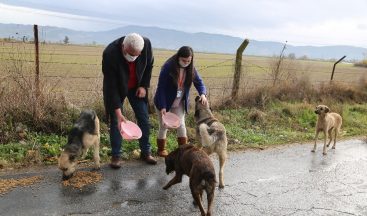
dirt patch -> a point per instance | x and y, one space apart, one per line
7 185
83 178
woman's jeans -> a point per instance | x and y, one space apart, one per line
140 108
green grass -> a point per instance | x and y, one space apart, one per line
282 123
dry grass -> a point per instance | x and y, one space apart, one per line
7 185
301 90
71 79
83 178
38 107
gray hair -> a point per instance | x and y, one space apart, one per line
134 41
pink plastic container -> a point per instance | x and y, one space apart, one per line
130 131
171 120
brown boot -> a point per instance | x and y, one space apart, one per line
161 143
181 140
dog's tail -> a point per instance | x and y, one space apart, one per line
206 139
209 177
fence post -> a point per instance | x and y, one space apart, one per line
332 73
37 72
237 73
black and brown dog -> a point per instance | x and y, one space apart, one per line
84 134
196 164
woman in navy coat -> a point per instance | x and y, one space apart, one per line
173 93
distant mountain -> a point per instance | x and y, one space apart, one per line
172 39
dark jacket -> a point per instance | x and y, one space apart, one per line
167 88
116 73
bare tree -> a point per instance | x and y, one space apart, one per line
276 70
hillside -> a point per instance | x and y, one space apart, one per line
173 39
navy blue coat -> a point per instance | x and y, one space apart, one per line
167 88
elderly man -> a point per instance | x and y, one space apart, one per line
127 68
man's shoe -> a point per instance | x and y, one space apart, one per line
115 162
149 159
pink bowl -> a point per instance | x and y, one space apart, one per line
171 120
130 131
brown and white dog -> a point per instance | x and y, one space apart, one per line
196 164
211 135
327 122
84 134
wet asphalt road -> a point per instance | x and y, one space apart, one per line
286 180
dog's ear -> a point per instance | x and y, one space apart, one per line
170 163
327 109
197 98
72 157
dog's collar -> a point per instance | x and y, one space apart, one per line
209 121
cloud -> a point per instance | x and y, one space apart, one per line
24 15
311 22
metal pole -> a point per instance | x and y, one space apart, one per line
332 74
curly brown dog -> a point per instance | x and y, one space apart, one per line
196 164
327 122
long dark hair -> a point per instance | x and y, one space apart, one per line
184 52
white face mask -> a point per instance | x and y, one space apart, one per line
129 57
182 64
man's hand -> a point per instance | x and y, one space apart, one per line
141 92
120 118
163 112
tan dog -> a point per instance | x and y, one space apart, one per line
211 135
84 134
196 164
326 122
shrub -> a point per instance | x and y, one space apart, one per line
362 63
256 115
300 90
34 105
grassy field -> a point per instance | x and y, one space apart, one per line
74 72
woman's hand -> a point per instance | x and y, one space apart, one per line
141 92
203 99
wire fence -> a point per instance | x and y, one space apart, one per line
75 71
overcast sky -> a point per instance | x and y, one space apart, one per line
306 22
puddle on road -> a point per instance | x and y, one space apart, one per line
353 151
134 184
126 203
272 178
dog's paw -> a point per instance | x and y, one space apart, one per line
203 126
